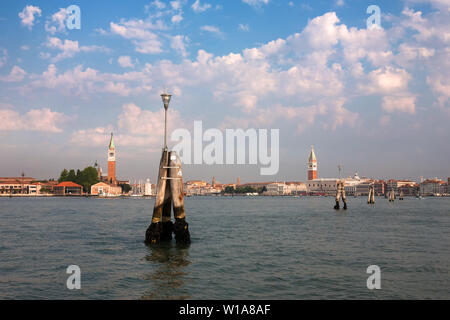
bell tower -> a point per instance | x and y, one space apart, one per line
112 161
312 165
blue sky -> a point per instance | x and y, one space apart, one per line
375 101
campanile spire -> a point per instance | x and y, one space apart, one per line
112 161
312 165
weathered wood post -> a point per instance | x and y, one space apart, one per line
371 199
181 227
372 195
153 233
167 224
391 195
338 195
340 192
344 199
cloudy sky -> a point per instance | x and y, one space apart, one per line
376 101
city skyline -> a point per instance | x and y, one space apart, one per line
374 101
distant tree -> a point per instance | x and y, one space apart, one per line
86 177
229 189
63 176
71 176
125 188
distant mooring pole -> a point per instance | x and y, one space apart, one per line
340 191
169 192
371 199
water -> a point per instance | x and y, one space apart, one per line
242 248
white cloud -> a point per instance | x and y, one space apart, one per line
57 22
178 43
159 4
135 127
27 16
198 7
256 3
320 68
177 18
387 80
176 5
85 81
399 103
211 29
125 62
69 48
17 74
139 32
43 120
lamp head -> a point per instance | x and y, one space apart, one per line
166 99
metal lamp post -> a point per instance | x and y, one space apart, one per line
166 99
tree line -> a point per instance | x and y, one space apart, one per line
243 190
86 177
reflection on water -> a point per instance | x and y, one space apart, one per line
169 275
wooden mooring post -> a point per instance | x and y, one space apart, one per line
371 199
169 192
340 192
181 227
391 195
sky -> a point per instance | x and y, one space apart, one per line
374 100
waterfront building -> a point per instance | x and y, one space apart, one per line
296 188
395 185
379 187
433 187
13 187
200 187
68 188
312 165
354 186
105 189
409 189
25 185
276 189
322 186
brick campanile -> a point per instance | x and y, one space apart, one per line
112 161
312 165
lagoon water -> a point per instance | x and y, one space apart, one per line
242 248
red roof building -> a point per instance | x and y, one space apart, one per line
68 188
